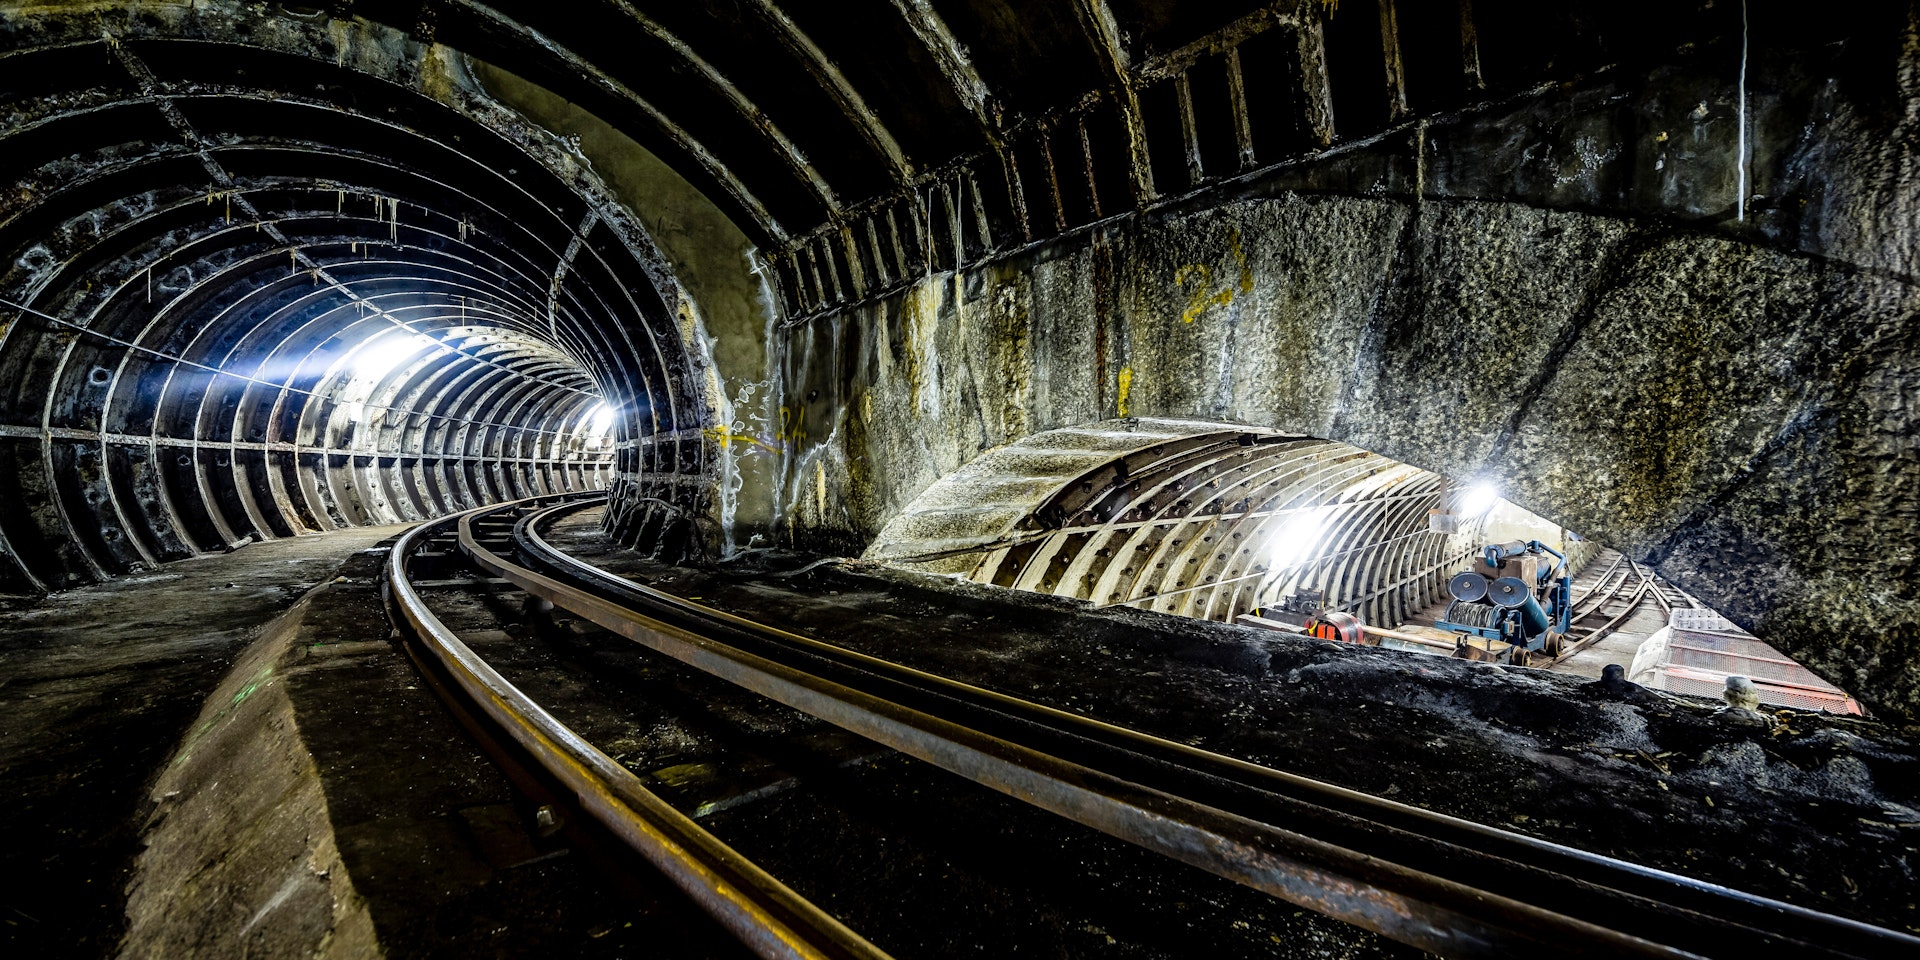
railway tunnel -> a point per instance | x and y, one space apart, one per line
1156 313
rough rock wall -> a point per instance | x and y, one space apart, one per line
1726 394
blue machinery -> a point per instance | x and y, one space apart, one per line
1512 601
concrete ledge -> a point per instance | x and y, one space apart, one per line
240 857
325 805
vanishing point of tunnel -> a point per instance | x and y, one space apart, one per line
934 478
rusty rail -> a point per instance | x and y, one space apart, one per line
772 920
1649 587
1443 884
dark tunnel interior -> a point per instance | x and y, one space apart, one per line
1123 339
258 294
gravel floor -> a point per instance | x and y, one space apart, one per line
1817 810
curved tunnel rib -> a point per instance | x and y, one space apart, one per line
241 309
1201 520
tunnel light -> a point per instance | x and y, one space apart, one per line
602 419
1478 499
381 357
1299 539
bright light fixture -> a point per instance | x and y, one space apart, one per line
602 419
1478 499
1298 539
381 357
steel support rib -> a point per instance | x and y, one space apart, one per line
953 63
624 231
1103 32
835 83
242 486
735 189
254 492
796 162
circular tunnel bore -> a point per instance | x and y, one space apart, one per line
1200 520
1216 522
260 282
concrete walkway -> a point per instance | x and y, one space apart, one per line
97 686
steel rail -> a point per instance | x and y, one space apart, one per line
1583 608
770 918
1441 883
1634 601
1649 586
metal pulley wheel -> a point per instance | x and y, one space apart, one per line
1467 585
1509 591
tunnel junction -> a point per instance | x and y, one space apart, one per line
1246 236
1077 347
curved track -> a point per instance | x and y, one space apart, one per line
1623 590
1443 884
768 917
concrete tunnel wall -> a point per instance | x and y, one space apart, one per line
1591 325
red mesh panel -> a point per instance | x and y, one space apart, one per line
1706 649
1703 684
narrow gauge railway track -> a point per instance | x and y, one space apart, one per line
769 918
1443 884
1611 590
914 859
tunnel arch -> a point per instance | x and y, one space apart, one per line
263 275
1197 519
